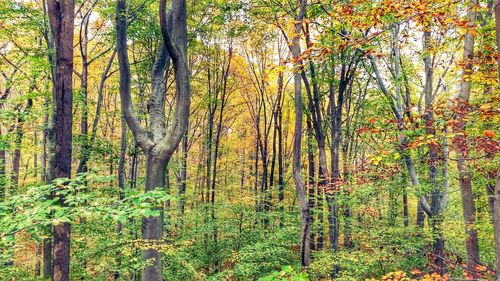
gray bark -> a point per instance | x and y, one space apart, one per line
305 250
464 175
61 18
159 143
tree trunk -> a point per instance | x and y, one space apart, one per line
256 176
47 257
305 250
16 160
35 154
152 227
281 194
465 180
490 194
48 156
158 144
437 194
311 183
88 142
61 17
121 181
319 207
82 167
183 178
209 145
497 215
406 218
330 193
38 261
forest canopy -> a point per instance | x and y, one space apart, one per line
249 140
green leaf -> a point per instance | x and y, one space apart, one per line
8 238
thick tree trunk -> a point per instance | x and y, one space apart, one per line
152 227
61 17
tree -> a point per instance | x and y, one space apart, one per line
308 121
158 144
305 248
61 16
459 141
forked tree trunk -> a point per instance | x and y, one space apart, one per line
158 144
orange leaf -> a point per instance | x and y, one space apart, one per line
489 134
